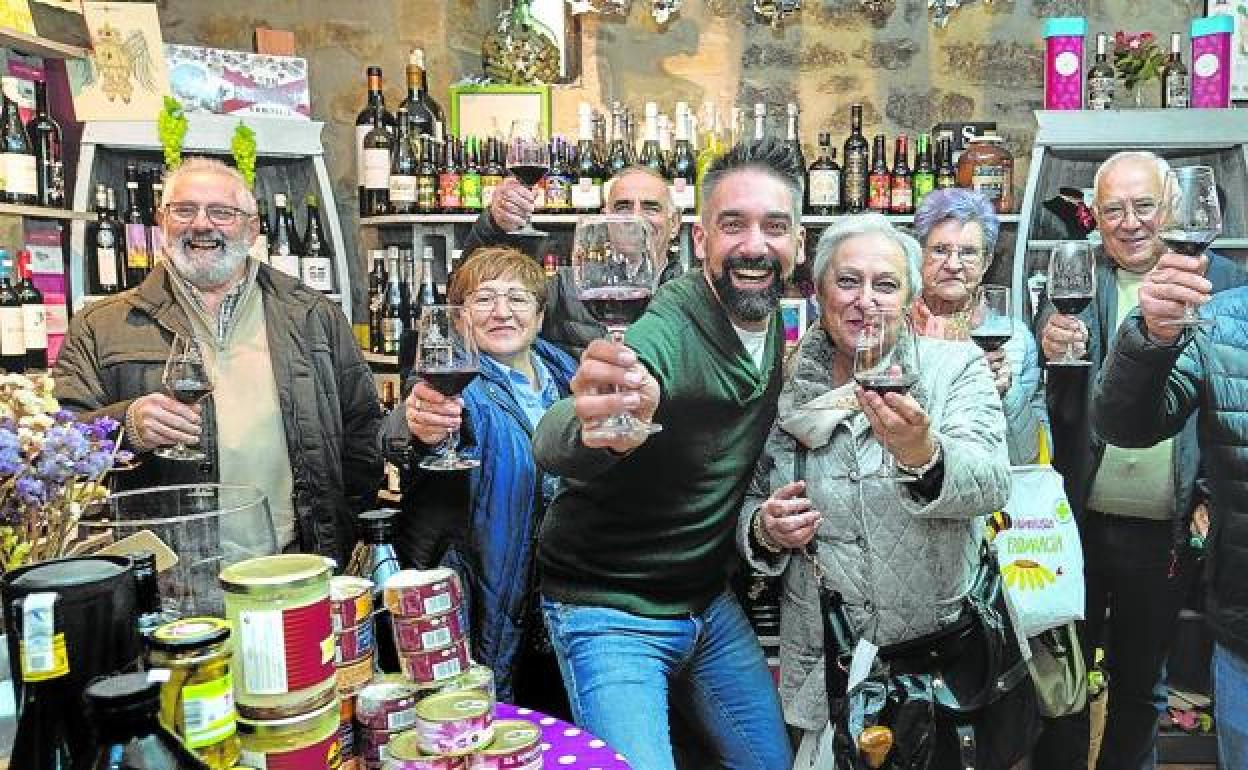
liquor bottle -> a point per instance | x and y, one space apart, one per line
946 172
284 243
403 168
374 558
316 258
630 137
760 121
44 737
155 235
587 192
426 177
665 140
650 155
34 315
683 170
470 178
377 283
429 295
712 145
1175 87
558 181
378 144
617 156
124 711
880 180
856 183
12 324
138 258
407 281
794 137
424 115
375 109
1101 77
901 186
16 151
148 605
105 244
263 230
924 172
824 180
492 172
392 322
449 179
45 135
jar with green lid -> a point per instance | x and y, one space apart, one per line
197 697
303 742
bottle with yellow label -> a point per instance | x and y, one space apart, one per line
43 736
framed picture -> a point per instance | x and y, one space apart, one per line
1237 10
124 75
478 110
793 314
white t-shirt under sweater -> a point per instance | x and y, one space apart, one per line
755 344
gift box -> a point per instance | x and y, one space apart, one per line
238 83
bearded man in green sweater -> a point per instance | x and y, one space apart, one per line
637 547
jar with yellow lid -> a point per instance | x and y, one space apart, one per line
197 697
304 742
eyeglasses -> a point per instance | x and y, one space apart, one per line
1115 212
968 255
519 300
218 213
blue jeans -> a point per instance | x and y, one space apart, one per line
621 669
1230 696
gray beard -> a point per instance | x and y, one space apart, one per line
211 270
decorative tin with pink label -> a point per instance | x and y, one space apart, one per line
1211 61
1063 62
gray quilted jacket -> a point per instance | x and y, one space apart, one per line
901 563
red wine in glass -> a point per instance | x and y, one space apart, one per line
189 391
1189 243
886 383
989 341
616 307
529 173
448 382
1071 304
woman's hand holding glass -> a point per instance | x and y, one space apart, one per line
605 365
900 424
788 518
430 415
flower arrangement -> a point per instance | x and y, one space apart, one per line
52 468
1137 58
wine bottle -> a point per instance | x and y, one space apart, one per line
470 178
44 738
651 157
12 324
429 295
426 177
683 170
1175 87
377 284
316 258
105 245
901 186
824 180
449 179
124 711
409 288
378 144
492 172
284 243
138 258
17 154
760 121
855 178
424 115
34 315
924 180
881 179
587 192
155 235
261 245
559 181
374 110
793 135
617 156
45 135
392 321
946 172
712 145
403 168
1101 77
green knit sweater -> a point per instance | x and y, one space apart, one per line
652 532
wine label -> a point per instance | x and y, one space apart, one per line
391 331
35 326
990 180
427 192
287 263
825 188
684 194
902 194
587 194
12 332
137 256
470 191
402 188
360 133
42 648
19 174
317 273
208 715
489 183
880 194
376 169
448 191
1100 93
1177 94
106 264
558 193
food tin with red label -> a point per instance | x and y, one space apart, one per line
454 723
346 734
351 644
429 632
406 754
423 592
304 742
374 743
386 706
434 666
517 745
350 600
355 676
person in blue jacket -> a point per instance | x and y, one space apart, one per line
506 496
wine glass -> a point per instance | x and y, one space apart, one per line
447 359
991 327
186 378
1190 218
615 277
1071 287
886 358
528 159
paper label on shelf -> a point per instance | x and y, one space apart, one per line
42 649
376 169
317 273
35 326
19 174
12 333
208 712
262 647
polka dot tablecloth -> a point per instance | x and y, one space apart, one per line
565 746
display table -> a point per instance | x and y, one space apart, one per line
565 745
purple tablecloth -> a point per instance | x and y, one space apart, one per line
565 746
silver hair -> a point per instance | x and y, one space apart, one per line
1162 165
201 165
869 223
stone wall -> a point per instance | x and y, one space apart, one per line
987 64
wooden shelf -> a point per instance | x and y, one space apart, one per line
39 46
570 219
43 212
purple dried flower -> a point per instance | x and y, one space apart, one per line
31 491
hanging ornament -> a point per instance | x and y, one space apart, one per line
775 11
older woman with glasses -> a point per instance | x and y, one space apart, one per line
877 496
958 230
521 376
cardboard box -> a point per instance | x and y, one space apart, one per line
275 42
238 83
1237 10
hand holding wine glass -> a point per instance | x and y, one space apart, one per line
991 328
886 367
1071 288
1190 219
187 379
528 159
1174 286
447 360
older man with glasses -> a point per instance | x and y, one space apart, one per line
293 411
1134 506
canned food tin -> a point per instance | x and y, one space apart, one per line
429 632
346 733
350 600
374 743
283 641
406 754
304 742
423 592
434 666
386 706
476 677
354 676
454 723
517 745
351 644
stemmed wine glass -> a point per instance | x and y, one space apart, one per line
886 358
614 275
1190 219
447 359
528 158
186 378
991 327
1071 287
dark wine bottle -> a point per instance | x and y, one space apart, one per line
16 151
34 315
492 172
12 324
429 295
45 135
373 110
824 180
587 189
392 321
683 170
946 172
1175 86
378 144
138 258
901 185
44 738
855 178
880 180
403 168
377 282
924 179
263 229
793 136
316 258
617 156
449 179
424 115
106 241
651 158
124 709
470 178
1101 77
426 177
284 241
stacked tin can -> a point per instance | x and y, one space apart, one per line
427 622
351 609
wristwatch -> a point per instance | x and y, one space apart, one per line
922 470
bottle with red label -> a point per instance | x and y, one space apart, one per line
901 183
880 180
449 178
